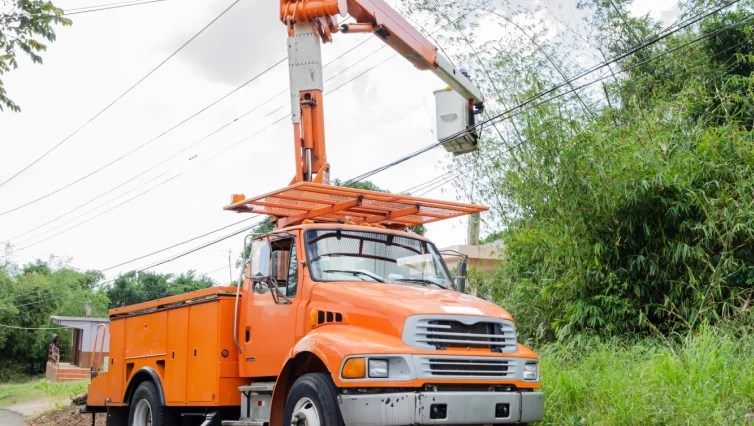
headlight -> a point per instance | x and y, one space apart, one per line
531 371
378 368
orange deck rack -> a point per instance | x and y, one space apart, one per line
335 204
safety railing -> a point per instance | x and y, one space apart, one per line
95 363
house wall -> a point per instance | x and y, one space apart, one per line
89 331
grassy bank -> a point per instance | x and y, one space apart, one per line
11 394
706 379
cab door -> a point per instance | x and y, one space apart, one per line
270 320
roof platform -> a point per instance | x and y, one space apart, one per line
336 204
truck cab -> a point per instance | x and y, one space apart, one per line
375 315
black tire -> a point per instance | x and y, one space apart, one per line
144 403
317 389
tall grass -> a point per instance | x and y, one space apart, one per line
707 379
11 394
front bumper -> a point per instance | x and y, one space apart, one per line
429 408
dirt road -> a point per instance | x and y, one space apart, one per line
11 418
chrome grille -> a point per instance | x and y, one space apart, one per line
451 367
461 332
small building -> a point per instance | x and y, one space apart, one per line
76 364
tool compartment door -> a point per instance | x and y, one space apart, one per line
202 374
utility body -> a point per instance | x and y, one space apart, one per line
340 316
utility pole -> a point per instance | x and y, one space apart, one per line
230 268
472 235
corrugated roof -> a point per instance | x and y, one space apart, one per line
56 318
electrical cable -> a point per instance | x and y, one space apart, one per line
201 111
190 251
148 169
181 243
97 6
134 150
118 98
14 327
158 185
646 43
497 118
20 295
478 125
103 8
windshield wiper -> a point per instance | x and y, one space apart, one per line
419 281
355 273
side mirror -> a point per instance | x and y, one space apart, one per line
261 255
261 288
460 278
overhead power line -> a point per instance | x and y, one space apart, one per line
118 98
101 5
174 177
179 174
501 116
179 124
172 156
134 150
644 44
190 251
214 231
15 327
100 8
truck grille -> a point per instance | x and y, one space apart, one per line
466 367
466 332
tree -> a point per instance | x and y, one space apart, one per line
137 287
625 209
24 28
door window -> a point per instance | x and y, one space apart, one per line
285 265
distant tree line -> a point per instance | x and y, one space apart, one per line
32 293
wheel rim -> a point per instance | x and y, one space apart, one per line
305 413
143 414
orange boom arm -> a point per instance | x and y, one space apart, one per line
311 23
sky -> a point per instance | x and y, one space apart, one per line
170 187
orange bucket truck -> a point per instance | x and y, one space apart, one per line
340 317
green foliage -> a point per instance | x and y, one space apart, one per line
137 287
28 299
25 27
11 394
706 379
632 216
31 294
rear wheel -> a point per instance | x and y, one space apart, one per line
312 401
145 408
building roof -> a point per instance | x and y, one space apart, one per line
71 321
492 252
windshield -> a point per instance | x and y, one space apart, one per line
344 255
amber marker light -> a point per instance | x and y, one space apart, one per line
237 198
354 368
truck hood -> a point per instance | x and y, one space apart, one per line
371 303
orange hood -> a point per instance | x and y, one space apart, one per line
384 307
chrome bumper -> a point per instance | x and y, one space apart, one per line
429 408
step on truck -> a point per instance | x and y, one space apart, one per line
340 316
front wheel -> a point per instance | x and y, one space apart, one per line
312 401
146 409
